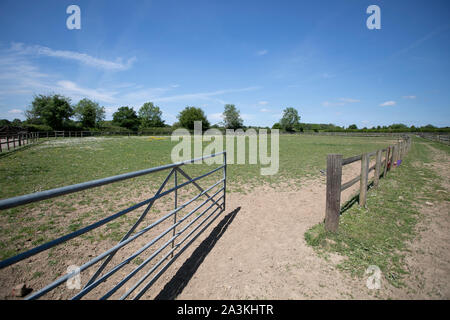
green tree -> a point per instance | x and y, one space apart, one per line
231 117
188 115
398 126
353 127
4 122
89 113
315 127
52 110
126 117
150 116
16 122
290 119
276 125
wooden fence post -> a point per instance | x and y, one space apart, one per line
402 151
364 179
386 161
394 156
377 169
333 196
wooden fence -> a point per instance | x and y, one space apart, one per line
84 134
393 156
442 138
12 141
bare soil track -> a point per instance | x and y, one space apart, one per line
263 254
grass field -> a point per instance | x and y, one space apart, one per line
62 162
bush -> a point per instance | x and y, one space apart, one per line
36 127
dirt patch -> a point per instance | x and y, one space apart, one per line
263 254
429 261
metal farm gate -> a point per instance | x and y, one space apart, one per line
200 218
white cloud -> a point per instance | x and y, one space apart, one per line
70 88
263 103
83 58
247 116
215 116
142 95
342 102
388 103
15 111
349 100
409 97
332 104
262 52
203 95
264 110
109 112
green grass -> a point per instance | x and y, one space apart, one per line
378 234
67 161
62 162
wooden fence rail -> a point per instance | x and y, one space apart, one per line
10 142
393 156
442 138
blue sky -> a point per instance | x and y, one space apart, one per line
263 56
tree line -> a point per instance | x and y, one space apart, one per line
56 112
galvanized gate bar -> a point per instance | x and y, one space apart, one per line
160 249
194 183
43 195
108 252
77 233
97 279
112 271
170 252
138 222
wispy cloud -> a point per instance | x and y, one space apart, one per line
265 110
203 95
142 95
421 40
262 52
15 111
83 58
332 104
388 103
18 76
263 103
340 102
215 117
409 97
349 100
247 116
72 89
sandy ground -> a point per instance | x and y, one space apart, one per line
263 254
